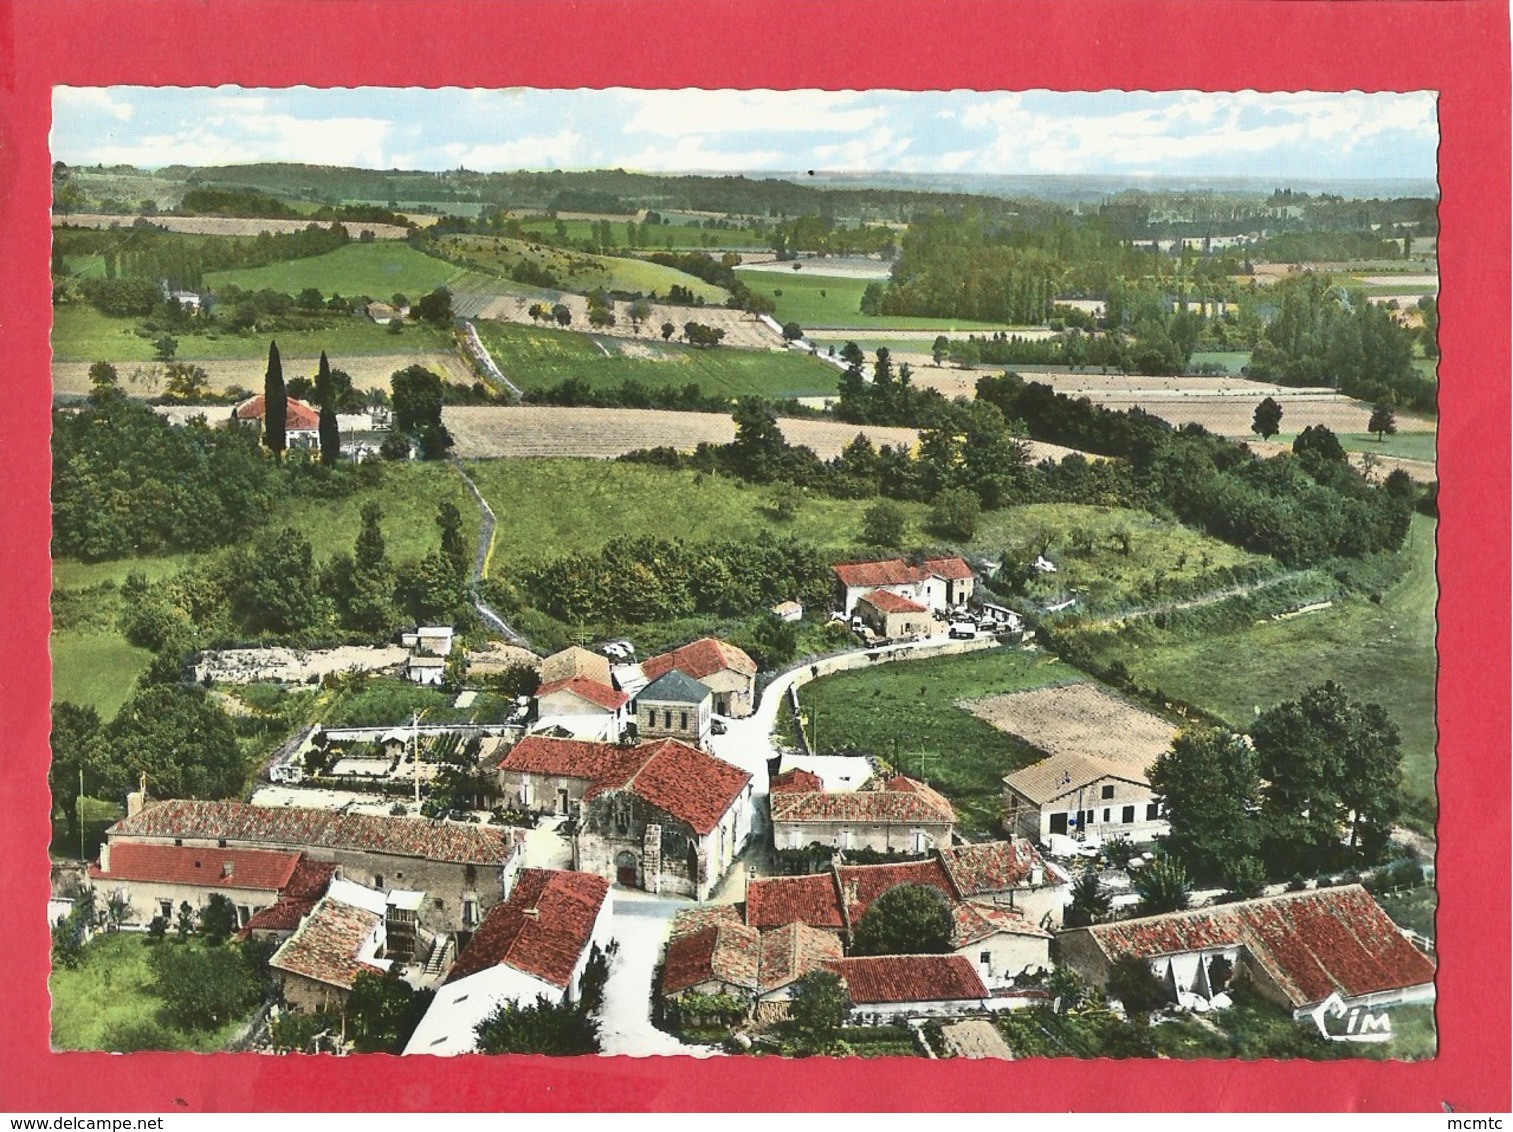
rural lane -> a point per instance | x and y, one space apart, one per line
489 522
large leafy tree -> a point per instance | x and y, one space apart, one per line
1207 785
276 590
177 737
75 743
818 1007
757 453
911 919
544 1027
203 989
1332 769
1267 421
418 396
275 404
383 1011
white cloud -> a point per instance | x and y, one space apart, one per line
881 149
69 100
675 113
228 139
537 151
689 154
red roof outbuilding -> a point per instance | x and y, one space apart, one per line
542 929
879 979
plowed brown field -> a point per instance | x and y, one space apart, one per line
1078 719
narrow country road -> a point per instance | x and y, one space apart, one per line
1210 598
489 522
486 359
640 927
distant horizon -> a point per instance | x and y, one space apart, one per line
1288 137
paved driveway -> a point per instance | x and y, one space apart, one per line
640 923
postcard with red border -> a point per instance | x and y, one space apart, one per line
1394 66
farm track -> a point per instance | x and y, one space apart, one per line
487 526
1211 598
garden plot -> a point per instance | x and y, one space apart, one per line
1078 719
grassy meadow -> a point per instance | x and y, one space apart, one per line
83 334
574 271
539 357
818 301
1380 652
378 268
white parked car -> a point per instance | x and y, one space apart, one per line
963 631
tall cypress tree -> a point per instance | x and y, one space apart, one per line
330 435
275 404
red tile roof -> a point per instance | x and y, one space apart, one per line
862 884
300 416
886 601
238 868
327 944
1311 943
792 951
701 659
542 929
994 866
814 900
972 922
909 978
685 782
594 692
796 781
722 952
952 569
310 880
303 827
902 801
889 572
284 916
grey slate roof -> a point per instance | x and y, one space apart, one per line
674 688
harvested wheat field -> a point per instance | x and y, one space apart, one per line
1078 719
369 371
224 225
484 432
476 297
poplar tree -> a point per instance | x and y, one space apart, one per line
275 404
325 395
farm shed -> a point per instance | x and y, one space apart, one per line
894 617
1297 949
904 816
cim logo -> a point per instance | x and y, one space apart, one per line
1358 1025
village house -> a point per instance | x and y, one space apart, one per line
937 584
463 869
1297 949
301 423
429 640
582 707
894 618
788 611
342 937
1010 874
1084 796
675 706
661 815
721 667
310 881
575 663
534 945
999 942
427 671
711 952
155 879
887 988
385 313
902 816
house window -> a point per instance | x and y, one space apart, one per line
667 720
243 914
1152 812
683 721
469 873
178 841
1108 792
469 912
986 958
1106 813
1128 816
439 902
378 882
165 907
918 836
1087 818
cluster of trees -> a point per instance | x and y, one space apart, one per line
1323 335
719 272
1318 786
636 580
1302 510
888 399
126 482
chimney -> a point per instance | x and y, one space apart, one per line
134 802
533 913
228 868
851 893
1037 876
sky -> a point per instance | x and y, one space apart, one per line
1183 133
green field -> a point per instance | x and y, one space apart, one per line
673 235
111 988
1233 361
96 669
539 357
83 334
818 301
906 713
377 269
574 271
1090 559
1382 653
1406 445
547 508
